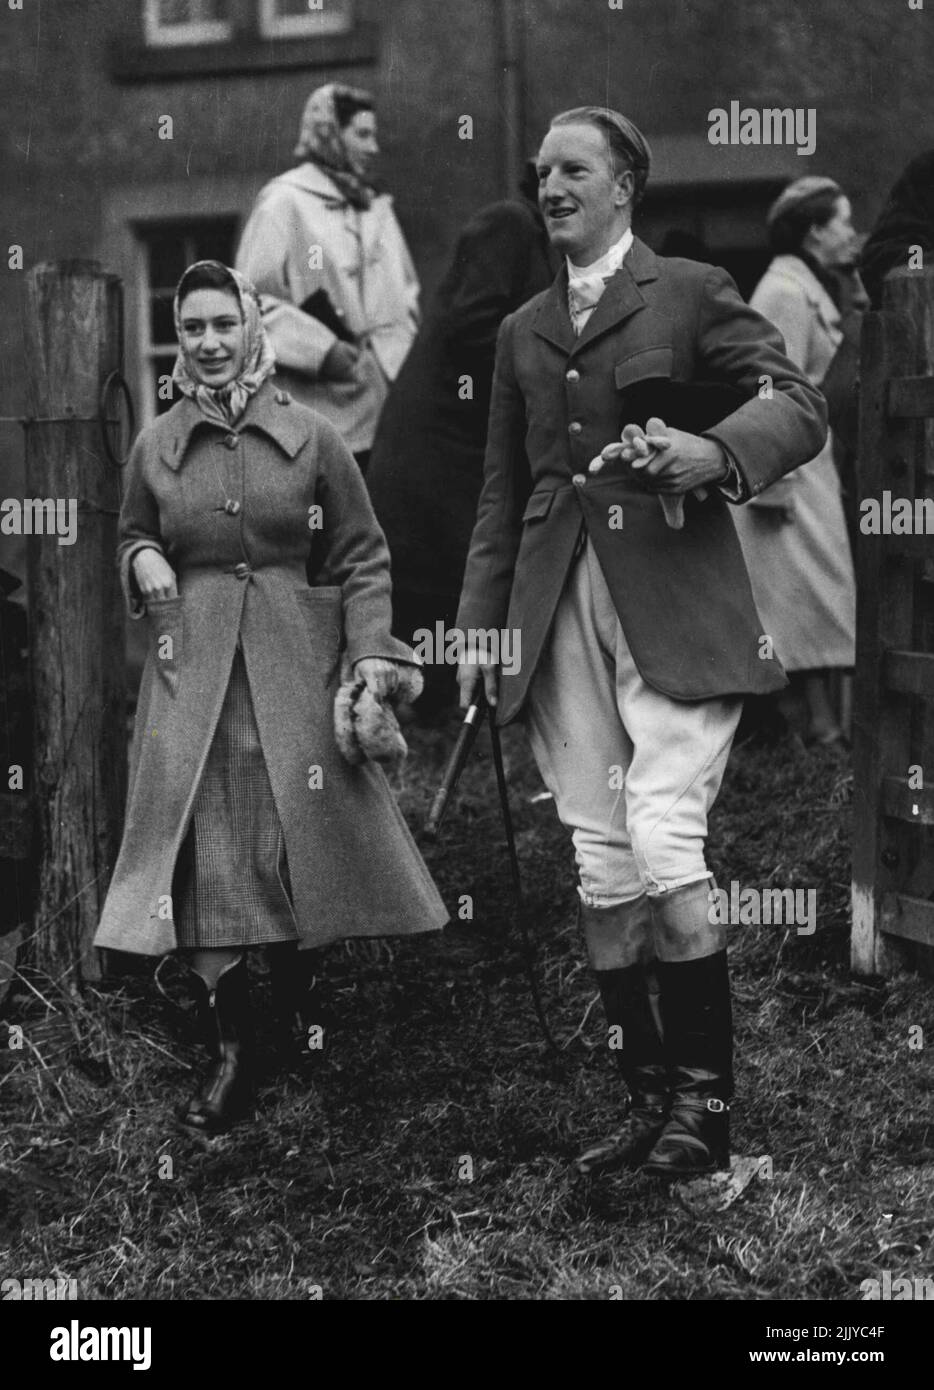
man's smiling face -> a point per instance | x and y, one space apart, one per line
586 206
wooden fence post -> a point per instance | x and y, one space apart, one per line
74 339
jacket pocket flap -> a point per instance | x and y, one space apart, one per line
538 505
650 362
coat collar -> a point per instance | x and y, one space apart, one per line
793 268
270 411
619 301
313 179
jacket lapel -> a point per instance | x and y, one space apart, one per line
620 300
553 320
269 411
179 425
622 297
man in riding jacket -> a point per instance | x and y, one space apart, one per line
632 402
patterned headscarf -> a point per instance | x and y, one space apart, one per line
320 140
225 404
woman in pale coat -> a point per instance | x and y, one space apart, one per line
794 534
338 288
244 825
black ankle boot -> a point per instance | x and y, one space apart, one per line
296 1008
226 1090
627 1001
698 1023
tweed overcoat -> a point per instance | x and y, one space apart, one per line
354 868
683 597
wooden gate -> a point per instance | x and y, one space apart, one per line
893 719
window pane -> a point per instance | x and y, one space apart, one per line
214 241
174 245
166 260
294 18
191 11
162 326
169 22
295 7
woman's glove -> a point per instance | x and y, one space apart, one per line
365 726
381 676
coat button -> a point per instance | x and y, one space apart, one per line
579 479
232 508
573 375
232 441
575 427
242 571
283 398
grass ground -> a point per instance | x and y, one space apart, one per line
430 1155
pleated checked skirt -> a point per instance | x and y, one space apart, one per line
232 884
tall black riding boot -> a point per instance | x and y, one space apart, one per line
226 1090
698 1023
630 1003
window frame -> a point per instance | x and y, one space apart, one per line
156 35
243 51
314 24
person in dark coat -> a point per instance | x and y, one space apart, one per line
244 825
619 565
906 222
426 467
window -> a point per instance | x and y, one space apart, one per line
168 247
160 39
296 18
169 22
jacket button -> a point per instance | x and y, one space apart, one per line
231 507
575 427
579 479
232 441
573 375
283 398
242 571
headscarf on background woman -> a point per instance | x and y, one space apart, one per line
224 404
321 140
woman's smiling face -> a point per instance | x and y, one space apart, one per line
213 335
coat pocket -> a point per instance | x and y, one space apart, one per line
641 366
324 622
538 506
166 624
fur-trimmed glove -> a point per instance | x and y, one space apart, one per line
366 728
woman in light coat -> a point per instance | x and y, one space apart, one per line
339 290
244 825
794 534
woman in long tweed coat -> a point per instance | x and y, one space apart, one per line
244 825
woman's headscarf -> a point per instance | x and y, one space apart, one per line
320 139
225 404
